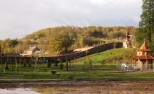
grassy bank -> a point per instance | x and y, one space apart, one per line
100 66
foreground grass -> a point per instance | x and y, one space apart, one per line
88 68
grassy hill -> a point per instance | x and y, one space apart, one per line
80 36
119 54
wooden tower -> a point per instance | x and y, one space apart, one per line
143 59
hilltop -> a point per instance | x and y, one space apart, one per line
67 38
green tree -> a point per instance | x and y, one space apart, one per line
0 48
62 41
140 36
147 19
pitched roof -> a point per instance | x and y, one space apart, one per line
32 48
144 48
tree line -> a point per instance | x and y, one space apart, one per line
65 38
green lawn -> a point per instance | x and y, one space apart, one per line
92 67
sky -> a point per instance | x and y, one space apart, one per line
21 17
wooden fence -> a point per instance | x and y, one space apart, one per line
30 59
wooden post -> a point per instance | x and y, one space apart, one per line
142 66
132 61
149 66
16 62
152 65
134 64
67 64
146 65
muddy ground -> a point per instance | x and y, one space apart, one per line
105 85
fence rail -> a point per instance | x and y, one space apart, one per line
29 59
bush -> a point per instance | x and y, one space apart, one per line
53 72
61 66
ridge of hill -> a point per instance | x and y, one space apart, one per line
93 31
80 37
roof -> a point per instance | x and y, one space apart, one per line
143 57
144 48
32 48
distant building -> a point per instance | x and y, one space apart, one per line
128 41
30 51
143 59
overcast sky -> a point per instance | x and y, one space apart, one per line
21 17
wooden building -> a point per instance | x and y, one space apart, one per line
143 59
30 51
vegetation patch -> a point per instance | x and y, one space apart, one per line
100 66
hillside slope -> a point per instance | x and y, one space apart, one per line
80 37
109 56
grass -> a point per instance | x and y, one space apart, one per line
93 67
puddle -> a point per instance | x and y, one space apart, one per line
70 90
18 91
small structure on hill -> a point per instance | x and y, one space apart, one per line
143 59
30 51
128 41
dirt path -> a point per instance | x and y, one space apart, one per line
106 85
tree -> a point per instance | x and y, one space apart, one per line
1 52
62 41
140 35
147 19
0 48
